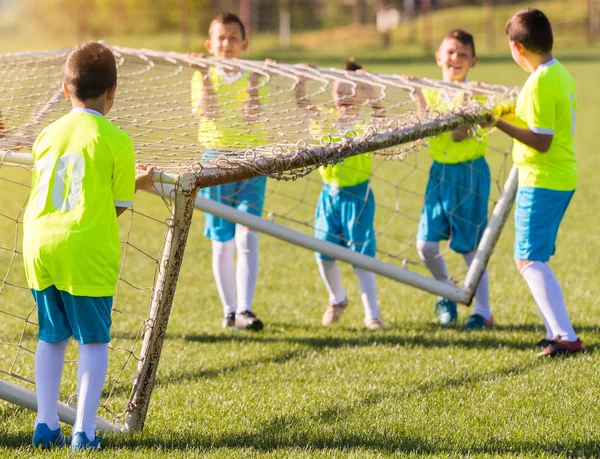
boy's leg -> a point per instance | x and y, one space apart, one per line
246 272
54 333
429 252
549 298
93 366
357 206
222 233
330 273
467 192
48 367
223 266
368 295
90 319
434 225
328 228
249 197
538 214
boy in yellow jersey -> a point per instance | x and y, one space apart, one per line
544 154
457 193
215 91
345 211
83 178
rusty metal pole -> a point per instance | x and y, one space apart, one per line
162 301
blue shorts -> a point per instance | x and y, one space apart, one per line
245 195
538 213
345 216
456 204
62 315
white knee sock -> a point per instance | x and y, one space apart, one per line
368 293
93 365
246 271
549 298
48 366
330 273
224 272
429 252
482 294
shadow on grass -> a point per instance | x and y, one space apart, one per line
281 433
431 338
312 344
327 430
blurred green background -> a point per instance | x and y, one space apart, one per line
290 30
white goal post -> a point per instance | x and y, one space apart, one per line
166 136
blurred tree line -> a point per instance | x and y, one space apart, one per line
102 17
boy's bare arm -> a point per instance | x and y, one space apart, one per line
375 102
207 101
252 105
302 100
417 95
143 179
539 142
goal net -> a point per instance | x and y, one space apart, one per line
285 133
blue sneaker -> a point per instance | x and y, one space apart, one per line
80 441
446 309
478 322
45 438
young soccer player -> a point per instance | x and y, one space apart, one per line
237 91
544 154
457 193
345 211
83 178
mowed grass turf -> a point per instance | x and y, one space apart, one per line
413 389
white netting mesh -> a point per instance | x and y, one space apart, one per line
154 106
142 230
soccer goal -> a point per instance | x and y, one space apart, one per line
278 140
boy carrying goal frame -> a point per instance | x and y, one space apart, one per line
83 178
544 153
345 212
458 189
215 90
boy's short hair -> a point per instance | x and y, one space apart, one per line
228 18
463 37
90 70
352 65
532 29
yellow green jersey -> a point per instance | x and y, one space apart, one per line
84 167
546 105
353 170
443 148
227 127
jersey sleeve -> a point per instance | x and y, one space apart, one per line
540 111
123 186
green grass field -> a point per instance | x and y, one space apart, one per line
298 390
